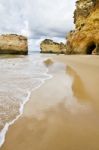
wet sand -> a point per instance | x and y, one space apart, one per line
55 120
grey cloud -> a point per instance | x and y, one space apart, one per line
36 18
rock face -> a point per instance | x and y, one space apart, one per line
48 46
85 38
13 44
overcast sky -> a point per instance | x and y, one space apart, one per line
37 18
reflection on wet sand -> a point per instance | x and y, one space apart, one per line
68 121
78 86
76 97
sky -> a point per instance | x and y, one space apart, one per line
37 19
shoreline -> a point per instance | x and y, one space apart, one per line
28 130
5 129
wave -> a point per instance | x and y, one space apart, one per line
19 77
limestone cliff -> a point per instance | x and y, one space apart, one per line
13 44
85 38
49 46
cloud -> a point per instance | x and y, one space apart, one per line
37 18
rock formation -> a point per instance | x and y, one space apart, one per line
48 62
85 38
13 44
49 46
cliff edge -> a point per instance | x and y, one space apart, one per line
85 38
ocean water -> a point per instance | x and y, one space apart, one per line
19 76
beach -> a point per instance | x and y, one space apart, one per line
63 113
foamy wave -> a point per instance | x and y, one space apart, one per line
23 75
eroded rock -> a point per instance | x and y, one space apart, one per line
85 38
48 62
49 46
13 44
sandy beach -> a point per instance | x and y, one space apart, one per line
53 118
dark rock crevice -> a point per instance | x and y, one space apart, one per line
91 48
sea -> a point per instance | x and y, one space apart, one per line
19 76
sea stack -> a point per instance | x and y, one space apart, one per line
13 44
85 38
49 46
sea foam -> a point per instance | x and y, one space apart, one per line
19 77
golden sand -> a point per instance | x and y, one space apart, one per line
55 120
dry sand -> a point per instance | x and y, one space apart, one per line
55 120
